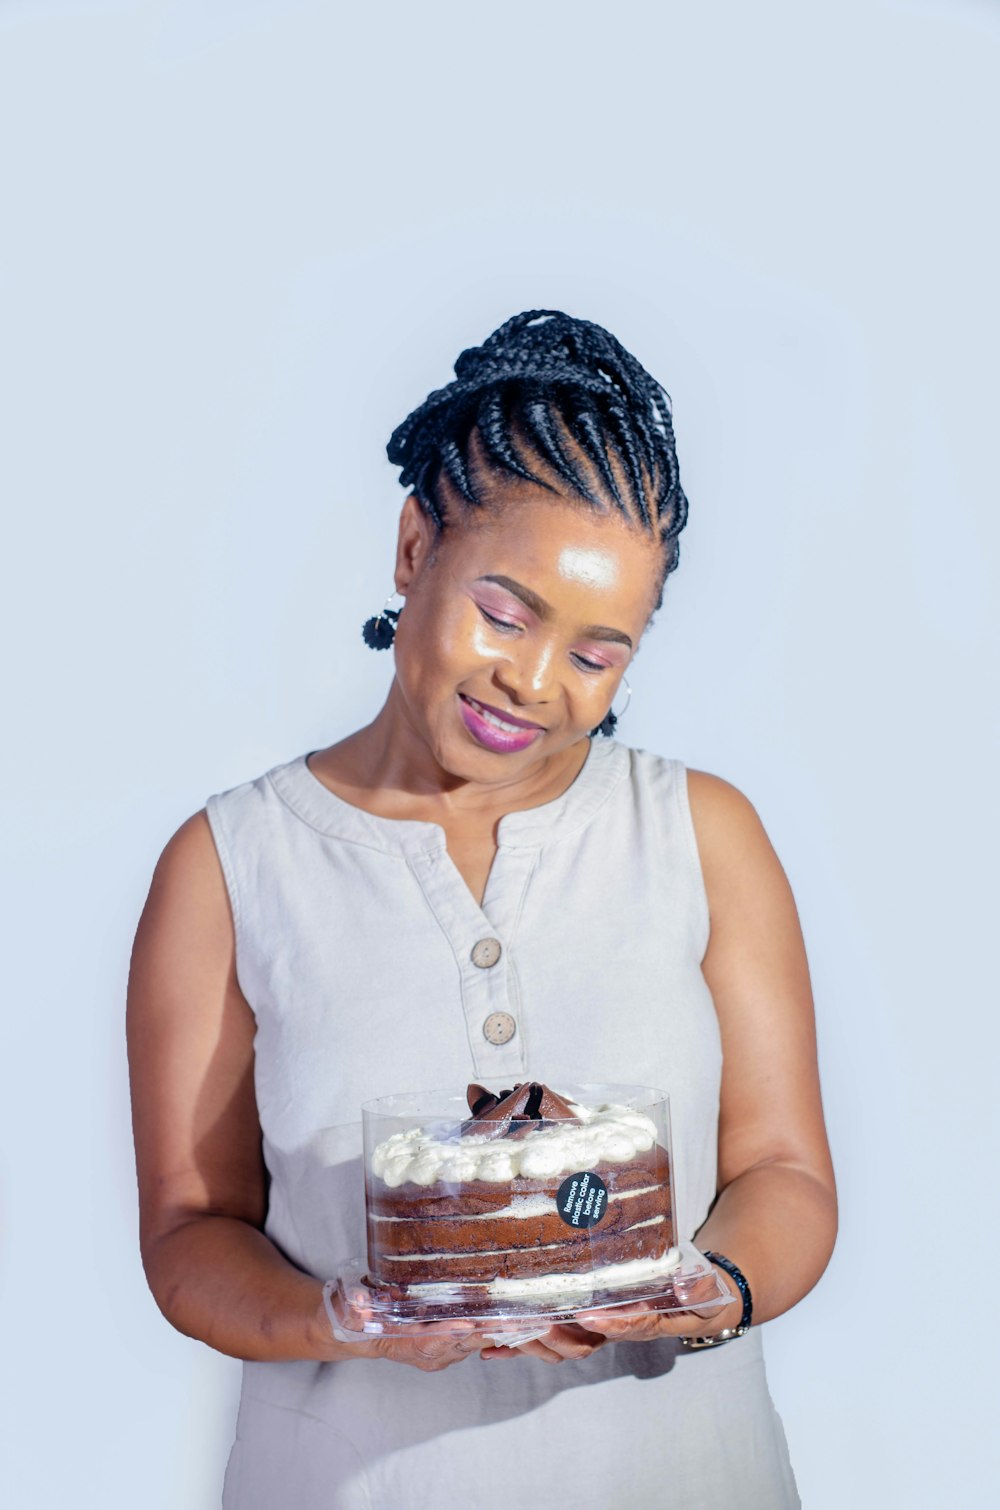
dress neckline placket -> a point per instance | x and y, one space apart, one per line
482 938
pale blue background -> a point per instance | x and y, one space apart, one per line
240 242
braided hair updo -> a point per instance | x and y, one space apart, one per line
540 375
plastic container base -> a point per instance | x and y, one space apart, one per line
359 1308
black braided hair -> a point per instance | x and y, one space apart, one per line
540 374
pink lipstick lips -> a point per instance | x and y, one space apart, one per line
496 731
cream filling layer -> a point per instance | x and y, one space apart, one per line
522 1206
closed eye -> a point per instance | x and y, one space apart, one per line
492 619
581 660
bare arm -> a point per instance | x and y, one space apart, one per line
776 1212
202 1180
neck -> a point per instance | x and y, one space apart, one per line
390 755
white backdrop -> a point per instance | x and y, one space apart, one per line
240 242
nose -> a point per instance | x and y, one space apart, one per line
526 674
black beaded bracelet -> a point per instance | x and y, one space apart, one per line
728 1333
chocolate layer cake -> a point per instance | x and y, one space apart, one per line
530 1188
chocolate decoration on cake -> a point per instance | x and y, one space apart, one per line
512 1113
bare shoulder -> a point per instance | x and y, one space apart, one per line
187 893
184 948
190 855
716 801
731 837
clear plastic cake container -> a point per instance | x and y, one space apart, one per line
518 1206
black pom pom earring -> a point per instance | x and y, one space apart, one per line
608 722
380 630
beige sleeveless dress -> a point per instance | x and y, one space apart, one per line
356 949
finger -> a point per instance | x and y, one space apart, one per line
511 1333
591 1322
560 1343
572 1341
533 1349
446 1331
350 1310
438 1346
628 1326
436 1354
643 1328
358 1297
594 1321
692 1294
538 1349
428 1345
443 1348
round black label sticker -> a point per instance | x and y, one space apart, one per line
582 1199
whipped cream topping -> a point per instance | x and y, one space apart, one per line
607 1133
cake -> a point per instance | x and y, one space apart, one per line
533 1192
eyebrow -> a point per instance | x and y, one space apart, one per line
541 608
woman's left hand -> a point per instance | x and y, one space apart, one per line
635 1322
638 1322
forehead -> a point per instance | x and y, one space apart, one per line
551 544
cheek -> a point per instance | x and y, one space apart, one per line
442 645
465 638
481 640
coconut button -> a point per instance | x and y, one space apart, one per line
486 953
499 1028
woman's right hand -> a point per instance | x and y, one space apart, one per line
432 1345
428 1345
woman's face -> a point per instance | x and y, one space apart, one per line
517 627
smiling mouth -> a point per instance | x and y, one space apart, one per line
505 722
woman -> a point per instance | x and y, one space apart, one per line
480 884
